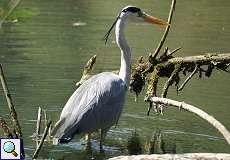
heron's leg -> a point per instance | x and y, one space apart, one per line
102 138
88 147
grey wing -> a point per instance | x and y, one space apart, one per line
94 105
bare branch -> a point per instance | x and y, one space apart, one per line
174 51
166 30
221 128
187 79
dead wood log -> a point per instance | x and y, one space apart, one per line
187 156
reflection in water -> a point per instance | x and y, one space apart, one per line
43 56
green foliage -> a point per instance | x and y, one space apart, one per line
134 144
9 11
22 14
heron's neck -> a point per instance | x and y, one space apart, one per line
125 69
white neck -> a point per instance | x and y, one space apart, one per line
125 69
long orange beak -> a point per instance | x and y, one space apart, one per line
154 20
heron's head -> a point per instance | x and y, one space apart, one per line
135 14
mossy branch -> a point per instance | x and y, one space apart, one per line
173 78
5 128
172 67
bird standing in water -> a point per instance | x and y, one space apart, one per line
97 104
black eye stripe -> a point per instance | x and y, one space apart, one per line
132 9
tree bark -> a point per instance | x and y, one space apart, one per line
206 58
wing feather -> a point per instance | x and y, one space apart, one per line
96 104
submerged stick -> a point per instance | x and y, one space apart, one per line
38 126
45 117
35 155
13 112
166 30
215 123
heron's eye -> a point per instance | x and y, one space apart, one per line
124 10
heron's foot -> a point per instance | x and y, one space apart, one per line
102 151
88 144
101 146
102 138
88 147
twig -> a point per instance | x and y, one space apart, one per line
35 155
38 127
166 30
164 54
187 79
13 112
5 128
175 50
221 128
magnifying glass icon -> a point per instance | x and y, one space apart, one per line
9 147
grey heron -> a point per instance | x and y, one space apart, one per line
97 104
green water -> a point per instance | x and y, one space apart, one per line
43 55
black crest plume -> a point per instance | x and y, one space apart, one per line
111 28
